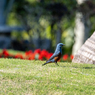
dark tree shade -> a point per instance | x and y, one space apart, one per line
57 9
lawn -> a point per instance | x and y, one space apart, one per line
24 77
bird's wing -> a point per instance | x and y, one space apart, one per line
54 55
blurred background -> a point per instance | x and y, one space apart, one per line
33 24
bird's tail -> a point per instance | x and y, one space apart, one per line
44 64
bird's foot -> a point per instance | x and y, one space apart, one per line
57 64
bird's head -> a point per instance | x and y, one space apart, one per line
60 45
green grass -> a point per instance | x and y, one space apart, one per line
24 77
13 51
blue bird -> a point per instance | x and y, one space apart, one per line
56 56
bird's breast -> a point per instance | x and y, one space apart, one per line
57 57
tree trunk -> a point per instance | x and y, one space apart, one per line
82 29
86 54
58 33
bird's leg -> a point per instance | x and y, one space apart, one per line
56 63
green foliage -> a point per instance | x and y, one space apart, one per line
92 24
12 20
23 77
40 17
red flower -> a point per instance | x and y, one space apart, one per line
71 56
19 56
5 53
44 53
40 57
37 51
65 57
31 57
28 52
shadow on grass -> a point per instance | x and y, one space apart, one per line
88 67
70 65
77 67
